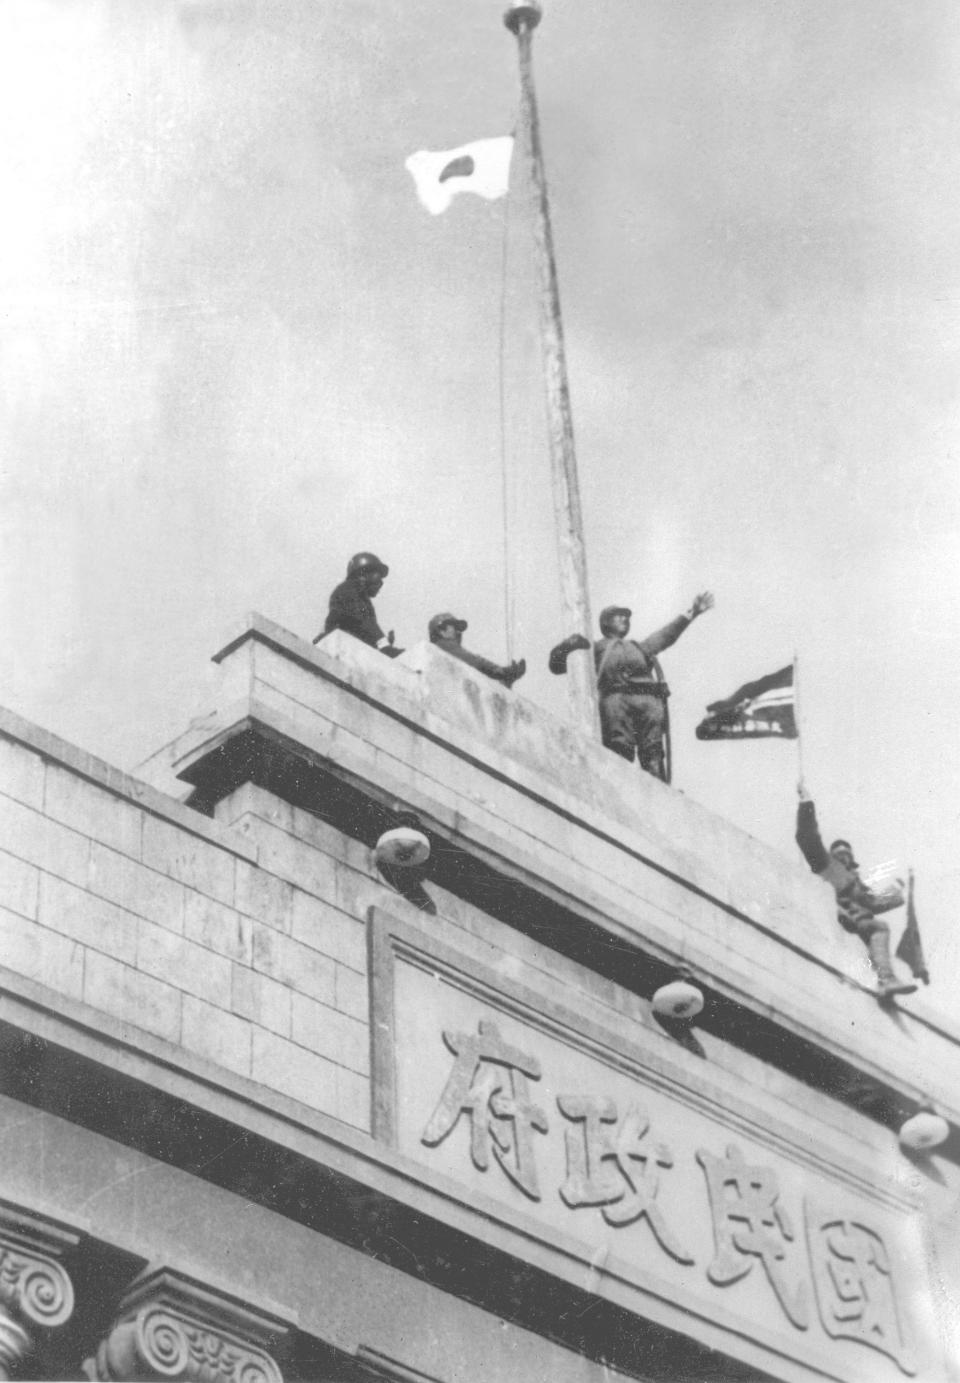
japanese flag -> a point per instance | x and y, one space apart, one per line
482 167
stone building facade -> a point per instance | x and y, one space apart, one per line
271 1114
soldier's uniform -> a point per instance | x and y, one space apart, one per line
857 905
508 674
352 610
632 698
632 694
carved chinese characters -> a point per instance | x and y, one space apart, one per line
609 1165
749 1223
619 1160
854 1284
489 1084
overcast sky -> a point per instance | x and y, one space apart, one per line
235 349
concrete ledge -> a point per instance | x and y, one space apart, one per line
121 785
519 747
524 747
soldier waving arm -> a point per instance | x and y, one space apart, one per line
663 638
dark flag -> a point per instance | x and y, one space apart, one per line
763 709
910 950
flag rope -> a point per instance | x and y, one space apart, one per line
508 594
796 715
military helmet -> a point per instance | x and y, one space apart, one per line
366 561
438 622
608 612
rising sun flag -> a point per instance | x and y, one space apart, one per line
763 709
482 167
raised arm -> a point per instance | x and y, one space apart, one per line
663 638
701 604
808 832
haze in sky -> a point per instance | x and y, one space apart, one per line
236 349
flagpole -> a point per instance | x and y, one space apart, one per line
521 20
796 715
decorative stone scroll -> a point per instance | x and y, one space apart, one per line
36 1293
171 1327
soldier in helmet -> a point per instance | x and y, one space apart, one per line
446 631
351 604
633 712
857 905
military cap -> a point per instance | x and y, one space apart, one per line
843 845
608 612
438 622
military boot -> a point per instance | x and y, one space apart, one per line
888 986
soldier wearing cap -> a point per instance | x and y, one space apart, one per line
633 713
446 631
857 905
351 604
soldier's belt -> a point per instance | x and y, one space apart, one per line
643 689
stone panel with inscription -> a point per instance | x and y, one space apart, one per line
568 1131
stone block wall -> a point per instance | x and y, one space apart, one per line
247 953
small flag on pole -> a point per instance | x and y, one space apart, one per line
482 167
763 709
910 949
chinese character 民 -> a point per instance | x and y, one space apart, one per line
854 1285
489 1084
748 1224
609 1165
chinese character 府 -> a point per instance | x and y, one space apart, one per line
747 1224
489 1084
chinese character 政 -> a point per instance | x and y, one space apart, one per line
488 1083
609 1165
